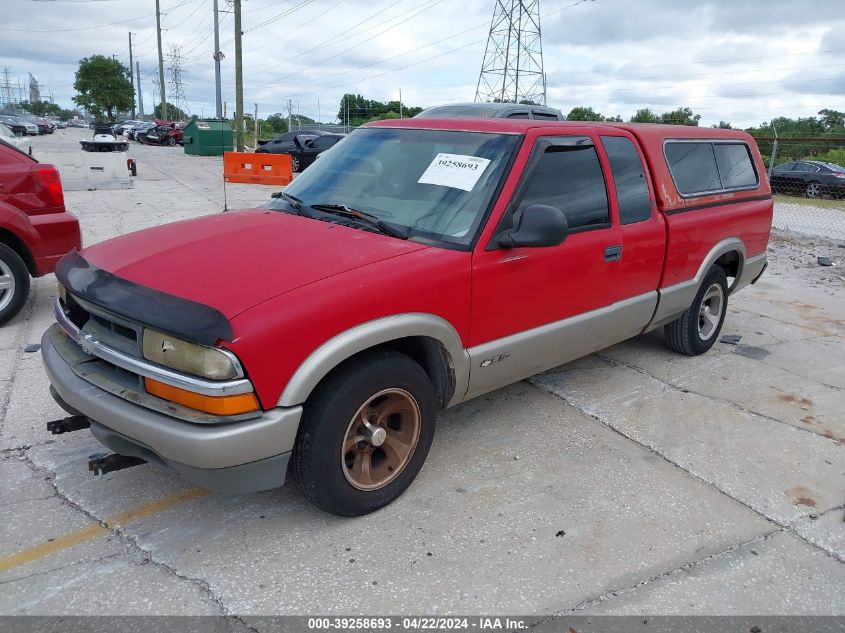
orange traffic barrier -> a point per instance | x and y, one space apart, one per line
257 169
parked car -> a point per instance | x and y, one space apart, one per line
120 128
287 142
420 263
42 124
811 178
35 229
22 142
31 127
168 134
18 127
493 111
144 126
306 151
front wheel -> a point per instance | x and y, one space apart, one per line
697 329
365 434
294 163
171 141
14 283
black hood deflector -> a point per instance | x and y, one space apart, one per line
158 310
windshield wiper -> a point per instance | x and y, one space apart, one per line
388 228
296 203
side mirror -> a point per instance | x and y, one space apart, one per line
309 142
539 225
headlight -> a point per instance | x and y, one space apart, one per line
189 358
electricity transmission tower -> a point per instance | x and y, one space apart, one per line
34 90
8 90
176 93
512 69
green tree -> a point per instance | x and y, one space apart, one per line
832 119
681 116
723 125
644 115
360 110
103 86
278 122
581 113
174 113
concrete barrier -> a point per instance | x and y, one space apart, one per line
87 171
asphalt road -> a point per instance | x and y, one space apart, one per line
634 481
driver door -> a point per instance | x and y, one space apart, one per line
534 308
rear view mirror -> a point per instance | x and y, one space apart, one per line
539 225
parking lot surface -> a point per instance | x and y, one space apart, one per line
632 481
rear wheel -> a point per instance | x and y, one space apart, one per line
814 190
294 163
365 434
697 329
14 283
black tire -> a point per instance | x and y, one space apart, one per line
294 163
317 465
685 335
12 266
813 190
171 141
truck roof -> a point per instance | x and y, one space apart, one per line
643 131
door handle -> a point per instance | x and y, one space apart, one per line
612 253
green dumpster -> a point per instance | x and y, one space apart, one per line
208 137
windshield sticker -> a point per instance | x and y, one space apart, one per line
454 170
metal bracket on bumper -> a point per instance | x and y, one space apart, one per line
102 463
68 425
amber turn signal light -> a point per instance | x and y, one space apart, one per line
216 405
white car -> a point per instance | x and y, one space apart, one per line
21 142
126 125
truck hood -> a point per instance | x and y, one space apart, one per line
237 260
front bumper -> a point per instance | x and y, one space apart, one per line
232 458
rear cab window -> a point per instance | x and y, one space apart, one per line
710 166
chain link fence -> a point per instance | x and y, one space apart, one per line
807 175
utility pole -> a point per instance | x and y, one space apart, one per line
131 72
140 93
218 57
239 81
160 63
289 113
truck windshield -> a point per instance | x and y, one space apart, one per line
437 183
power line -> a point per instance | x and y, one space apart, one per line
333 38
432 3
279 16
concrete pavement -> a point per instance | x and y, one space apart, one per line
632 481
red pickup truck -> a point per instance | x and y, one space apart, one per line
35 229
417 264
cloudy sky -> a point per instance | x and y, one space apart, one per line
743 61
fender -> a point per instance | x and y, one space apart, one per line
361 337
675 299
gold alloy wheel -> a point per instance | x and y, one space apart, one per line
380 439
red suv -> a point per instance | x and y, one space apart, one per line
35 229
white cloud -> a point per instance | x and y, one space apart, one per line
738 61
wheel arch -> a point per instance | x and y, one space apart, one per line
430 340
674 300
14 242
